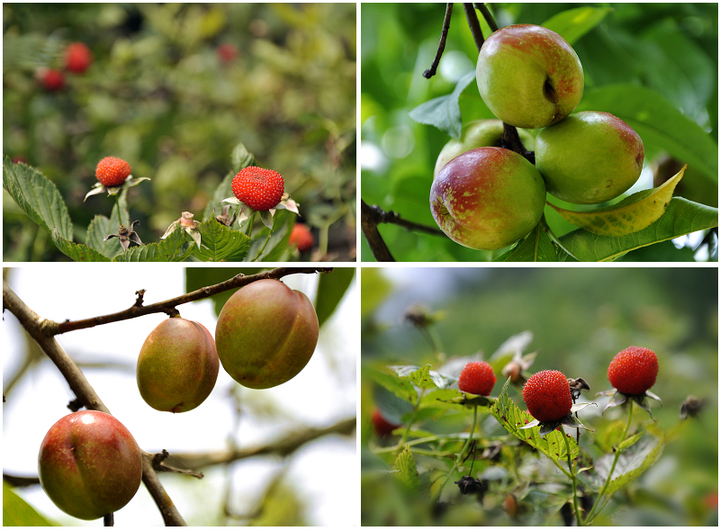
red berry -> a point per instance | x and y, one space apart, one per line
112 171
633 371
53 80
227 52
258 188
382 427
302 237
478 378
547 395
78 57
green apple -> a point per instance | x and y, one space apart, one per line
529 76
481 133
590 157
89 464
487 198
178 366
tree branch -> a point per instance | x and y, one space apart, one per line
430 72
474 24
487 16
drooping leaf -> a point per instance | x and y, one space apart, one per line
77 251
535 247
406 468
423 376
38 197
632 214
18 512
219 243
331 289
552 445
681 217
574 23
444 112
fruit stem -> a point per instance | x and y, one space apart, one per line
251 222
572 467
474 24
117 205
511 140
487 16
430 72
459 458
591 514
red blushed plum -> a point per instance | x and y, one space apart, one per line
266 333
178 366
487 198
89 464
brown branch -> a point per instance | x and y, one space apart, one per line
487 16
369 219
474 24
51 328
511 140
430 72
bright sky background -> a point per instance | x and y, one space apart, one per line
323 393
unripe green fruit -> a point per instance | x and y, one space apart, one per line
590 157
529 76
178 366
482 133
89 464
487 198
266 333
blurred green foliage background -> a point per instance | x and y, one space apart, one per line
159 95
669 48
580 318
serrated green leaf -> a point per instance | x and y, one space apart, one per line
18 512
400 387
331 290
681 217
77 251
406 468
553 446
98 229
178 246
574 23
423 376
632 214
38 197
627 443
223 191
444 112
220 244
535 247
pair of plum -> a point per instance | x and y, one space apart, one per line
487 197
89 463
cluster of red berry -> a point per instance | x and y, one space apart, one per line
78 59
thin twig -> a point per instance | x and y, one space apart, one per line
474 24
487 16
430 72
511 140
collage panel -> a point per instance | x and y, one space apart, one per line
539 132
231 393
147 132
529 396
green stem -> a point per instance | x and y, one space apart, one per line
117 205
458 459
573 476
251 222
260 252
591 514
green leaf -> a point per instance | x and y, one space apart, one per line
536 247
200 277
658 122
18 512
574 23
423 376
331 289
277 247
177 247
98 229
220 244
38 197
406 468
241 158
223 191
400 387
632 462
681 217
507 413
77 251
632 214
444 112
375 288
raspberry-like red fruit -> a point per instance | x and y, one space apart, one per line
53 80
227 52
112 171
302 237
478 378
78 57
258 188
547 395
382 427
633 371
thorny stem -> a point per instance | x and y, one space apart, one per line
591 514
458 458
430 72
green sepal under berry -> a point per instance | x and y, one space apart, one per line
98 188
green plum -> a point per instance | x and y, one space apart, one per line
481 133
590 157
529 76
89 464
266 333
487 198
178 366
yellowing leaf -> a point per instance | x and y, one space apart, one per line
630 215
406 468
